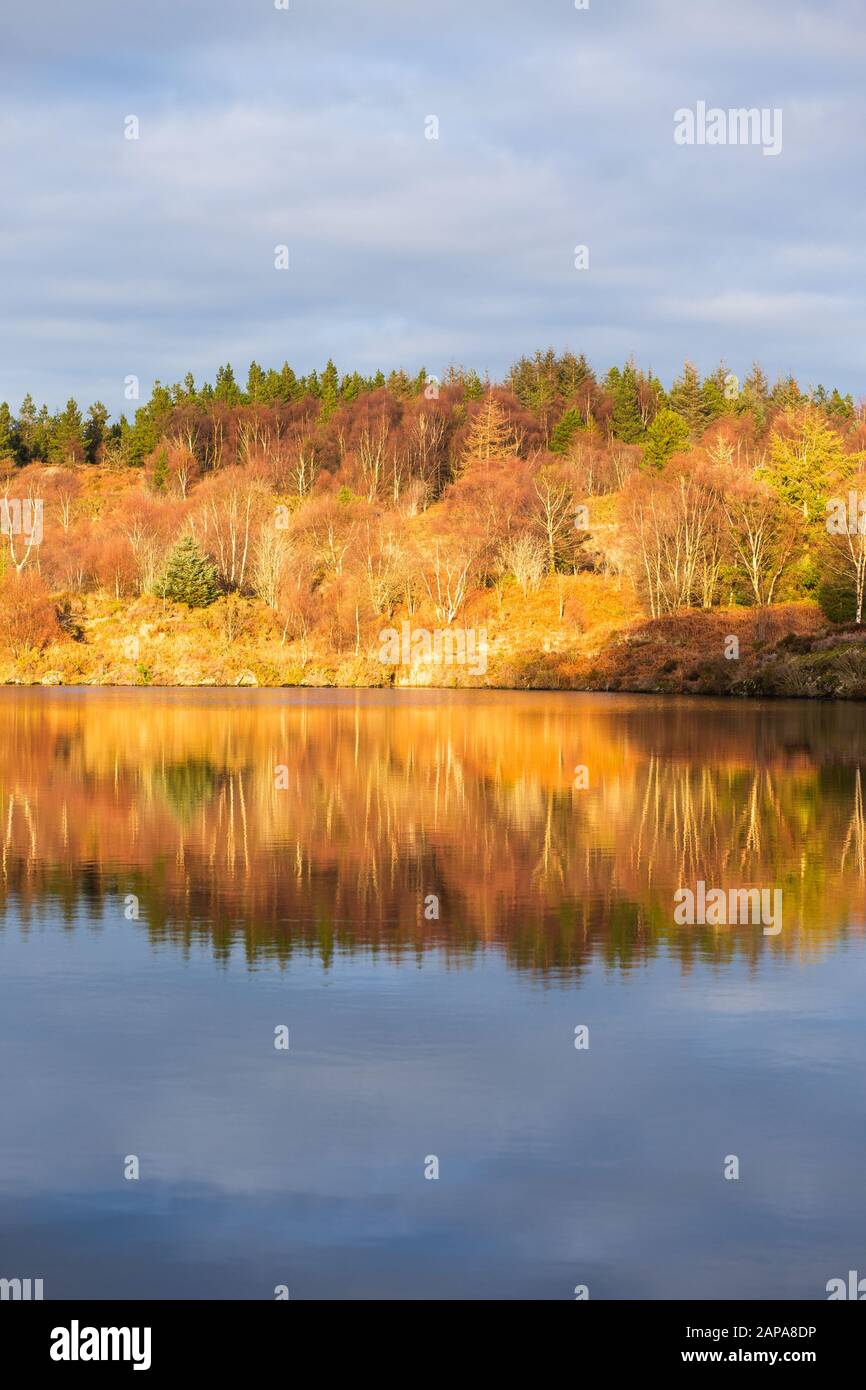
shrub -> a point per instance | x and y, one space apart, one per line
28 615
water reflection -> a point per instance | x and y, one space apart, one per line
176 798
412 1036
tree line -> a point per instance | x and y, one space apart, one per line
337 501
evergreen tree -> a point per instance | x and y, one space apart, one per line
67 444
755 396
141 437
8 434
786 394
159 480
27 428
806 456
399 385
351 387
95 431
189 577
627 420
715 402
687 399
256 384
330 389
565 430
226 388
840 407
667 435
42 434
572 372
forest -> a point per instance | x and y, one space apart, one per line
602 531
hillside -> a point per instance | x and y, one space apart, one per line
556 531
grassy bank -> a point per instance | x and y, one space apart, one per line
580 632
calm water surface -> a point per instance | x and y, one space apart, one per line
296 898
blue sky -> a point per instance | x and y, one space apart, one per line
306 127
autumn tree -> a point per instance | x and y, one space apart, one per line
491 435
28 614
524 557
272 553
846 529
552 513
762 531
672 527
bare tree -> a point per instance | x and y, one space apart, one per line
848 544
762 531
552 513
525 558
271 555
447 579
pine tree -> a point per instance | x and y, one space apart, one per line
786 394
95 431
806 456
840 407
256 384
667 435
27 428
399 385
572 372
8 434
330 389
755 396
686 399
189 577
713 395
627 421
159 480
67 443
565 430
226 388
490 434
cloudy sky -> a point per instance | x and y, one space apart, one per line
306 127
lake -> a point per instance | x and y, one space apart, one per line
269 960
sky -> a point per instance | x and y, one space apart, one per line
308 128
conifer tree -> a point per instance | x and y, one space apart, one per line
189 577
8 433
491 436
330 385
226 388
666 436
565 430
256 384
806 456
67 444
755 396
159 480
627 421
687 400
95 430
